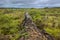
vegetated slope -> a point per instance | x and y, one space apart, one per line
44 18
49 19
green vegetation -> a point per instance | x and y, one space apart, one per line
45 18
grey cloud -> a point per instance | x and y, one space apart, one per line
29 3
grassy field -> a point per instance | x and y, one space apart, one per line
44 18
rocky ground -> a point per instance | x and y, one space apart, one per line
33 32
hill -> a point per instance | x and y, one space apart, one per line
45 18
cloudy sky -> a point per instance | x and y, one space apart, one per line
29 3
